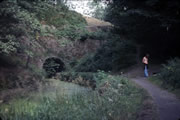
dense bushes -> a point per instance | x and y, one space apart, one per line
170 74
115 54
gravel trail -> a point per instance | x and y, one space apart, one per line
168 105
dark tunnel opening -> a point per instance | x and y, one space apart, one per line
52 66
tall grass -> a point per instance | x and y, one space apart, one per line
119 100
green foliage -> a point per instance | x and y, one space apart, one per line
8 45
29 20
115 54
120 100
170 73
99 77
26 23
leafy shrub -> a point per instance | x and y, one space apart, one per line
170 73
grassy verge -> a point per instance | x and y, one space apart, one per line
115 98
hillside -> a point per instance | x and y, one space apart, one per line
38 40
31 32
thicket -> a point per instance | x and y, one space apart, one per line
170 74
115 98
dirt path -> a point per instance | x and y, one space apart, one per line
168 106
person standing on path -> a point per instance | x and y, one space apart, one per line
145 62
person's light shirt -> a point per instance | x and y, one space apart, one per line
145 60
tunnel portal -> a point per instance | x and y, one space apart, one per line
52 66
